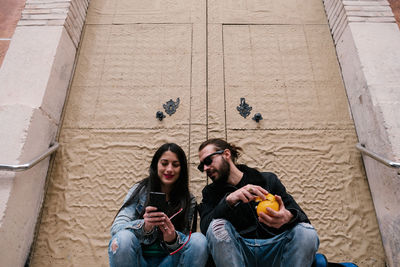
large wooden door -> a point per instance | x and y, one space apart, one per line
136 56
279 59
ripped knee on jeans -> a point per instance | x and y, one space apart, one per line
114 246
219 230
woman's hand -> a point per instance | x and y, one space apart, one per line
152 218
168 230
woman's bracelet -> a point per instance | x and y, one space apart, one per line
173 245
149 232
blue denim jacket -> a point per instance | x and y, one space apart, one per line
128 218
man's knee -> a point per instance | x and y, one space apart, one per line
305 234
218 230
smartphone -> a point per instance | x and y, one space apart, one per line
158 200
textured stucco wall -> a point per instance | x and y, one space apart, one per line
135 56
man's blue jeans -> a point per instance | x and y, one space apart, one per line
295 247
129 252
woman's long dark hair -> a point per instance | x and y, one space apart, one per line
179 197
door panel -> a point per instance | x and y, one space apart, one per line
272 67
137 11
281 59
132 60
266 12
138 68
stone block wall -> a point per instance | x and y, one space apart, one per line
34 79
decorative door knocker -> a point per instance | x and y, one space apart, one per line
257 117
160 115
171 106
244 108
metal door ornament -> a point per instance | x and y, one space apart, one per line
244 108
257 117
160 115
171 106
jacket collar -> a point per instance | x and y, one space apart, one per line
250 175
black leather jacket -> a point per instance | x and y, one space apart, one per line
243 216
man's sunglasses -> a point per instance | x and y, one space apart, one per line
208 160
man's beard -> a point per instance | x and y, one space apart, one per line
223 173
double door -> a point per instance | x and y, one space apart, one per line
158 71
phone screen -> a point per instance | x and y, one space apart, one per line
158 200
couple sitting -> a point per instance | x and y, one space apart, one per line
233 232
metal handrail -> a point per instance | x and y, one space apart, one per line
377 157
26 166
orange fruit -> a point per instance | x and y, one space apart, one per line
268 196
269 202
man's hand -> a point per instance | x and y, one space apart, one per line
246 194
276 219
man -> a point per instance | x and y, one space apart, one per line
236 235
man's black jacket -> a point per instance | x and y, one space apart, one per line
244 216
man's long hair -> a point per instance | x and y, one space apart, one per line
221 144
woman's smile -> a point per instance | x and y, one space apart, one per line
169 176
169 169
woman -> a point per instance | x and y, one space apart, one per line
144 236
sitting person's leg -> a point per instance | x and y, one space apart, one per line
226 245
294 247
125 250
194 253
301 247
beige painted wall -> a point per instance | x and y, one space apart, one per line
368 49
136 56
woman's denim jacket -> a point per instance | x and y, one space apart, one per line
128 218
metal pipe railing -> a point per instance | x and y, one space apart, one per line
377 157
30 164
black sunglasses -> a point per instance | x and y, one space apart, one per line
208 160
